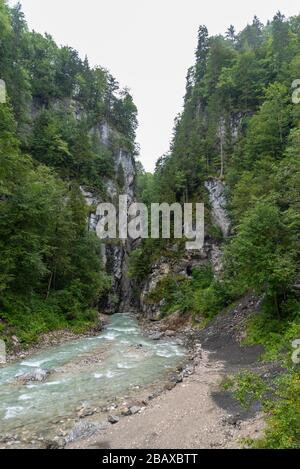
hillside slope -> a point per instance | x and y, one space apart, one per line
67 142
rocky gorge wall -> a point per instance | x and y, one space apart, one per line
211 253
115 253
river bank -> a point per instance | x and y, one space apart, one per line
18 350
183 407
46 398
194 412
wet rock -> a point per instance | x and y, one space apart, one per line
86 412
134 410
188 371
155 395
176 378
38 375
5 438
125 411
113 419
169 386
156 335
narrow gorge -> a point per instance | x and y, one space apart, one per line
143 343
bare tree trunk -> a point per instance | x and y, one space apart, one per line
222 160
221 134
49 285
277 306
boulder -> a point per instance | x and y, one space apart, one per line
38 375
134 410
84 429
156 335
113 419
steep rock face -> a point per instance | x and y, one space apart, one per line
164 267
219 214
210 253
115 253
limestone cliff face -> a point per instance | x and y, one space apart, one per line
115 253
210 253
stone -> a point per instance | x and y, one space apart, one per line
156 335
125 411
134 409
57 443
216 190
188 370
169 333
113 419
170 386
15 340
231 419
36 375
84 429
86 412
7 437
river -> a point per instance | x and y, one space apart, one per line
92 371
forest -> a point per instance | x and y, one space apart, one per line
50 265
240 125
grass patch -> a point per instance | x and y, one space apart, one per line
280 397
200 295
276 335
247 387
28 320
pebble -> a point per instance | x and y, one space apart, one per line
113 419
134 410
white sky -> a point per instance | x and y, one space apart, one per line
147 45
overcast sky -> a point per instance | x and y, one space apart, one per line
147 45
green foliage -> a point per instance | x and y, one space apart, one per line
47 254
284 416
276 335
262 255
142 258
27 318
40 75
200 295
239 124
278 395
145 186
269 128
51 144
281 402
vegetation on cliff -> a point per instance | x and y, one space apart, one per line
50 264
239 124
